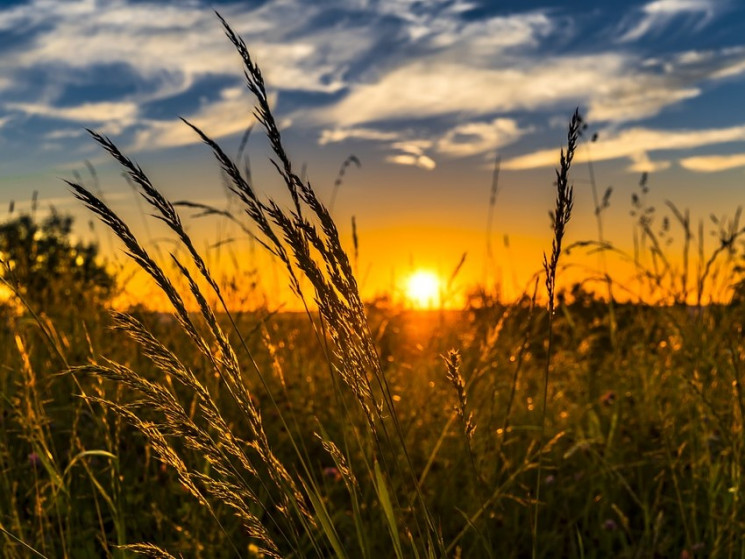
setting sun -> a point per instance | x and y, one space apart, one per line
423 289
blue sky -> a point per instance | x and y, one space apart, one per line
424 93
426 81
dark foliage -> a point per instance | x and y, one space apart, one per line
42 263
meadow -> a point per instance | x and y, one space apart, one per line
561 424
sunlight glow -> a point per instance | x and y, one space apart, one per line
423 289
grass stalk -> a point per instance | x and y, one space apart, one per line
561 215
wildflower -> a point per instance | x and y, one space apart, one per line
332 473
34 459
610 525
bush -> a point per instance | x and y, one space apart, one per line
42 264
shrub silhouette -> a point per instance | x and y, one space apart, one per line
41 263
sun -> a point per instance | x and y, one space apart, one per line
423 289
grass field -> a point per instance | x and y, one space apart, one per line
555 425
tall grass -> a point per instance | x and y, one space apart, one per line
294 516
560 217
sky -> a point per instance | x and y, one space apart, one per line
426 95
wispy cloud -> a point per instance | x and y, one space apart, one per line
635 144
713 163
462 140
163 50
62 134
479 137
421 161
641 163
148 38
227 116
124 112
414 153
616 86
655 16
333 135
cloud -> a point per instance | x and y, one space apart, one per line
633 101
421 161
413 154
413 146
84 34
482 39
125 112
334 135
633 143
371 70
107 117
440 23
462 140
713 163
444 28
641 163
479 137
655 16
169 48
616 86
231 114
161 50
63 134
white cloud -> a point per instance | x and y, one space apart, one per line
169 47
656 15
431 87
231 114
178 63
149 37
124 112
440 23
413 149
673 7
444 66
462 140
334 135
615 87
631 100
478 38
713 163
641 163
479 137
413 154
633 143
63 134
421 161
417 147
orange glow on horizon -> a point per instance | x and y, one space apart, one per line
414 267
